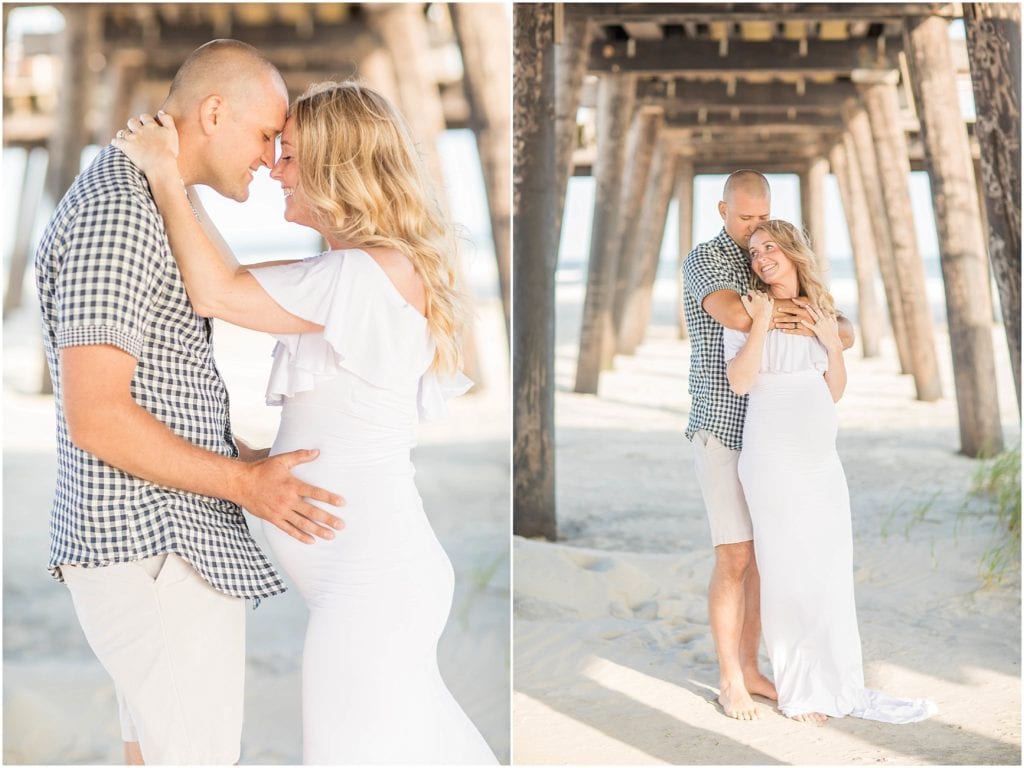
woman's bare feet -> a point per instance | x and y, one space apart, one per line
736 702
759 685
810 717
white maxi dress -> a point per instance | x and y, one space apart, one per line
803 539
379 594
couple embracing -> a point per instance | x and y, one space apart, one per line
766 371
146 527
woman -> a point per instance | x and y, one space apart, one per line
796 490
367 340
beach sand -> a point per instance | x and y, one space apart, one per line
59 705
614 662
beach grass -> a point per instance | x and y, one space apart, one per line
998 481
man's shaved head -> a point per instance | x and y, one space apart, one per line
745 204
228 103
228 67
750 183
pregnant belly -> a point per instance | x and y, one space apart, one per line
790 414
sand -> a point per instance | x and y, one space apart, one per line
59 705
614 662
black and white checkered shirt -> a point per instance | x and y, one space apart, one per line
717 265
105 275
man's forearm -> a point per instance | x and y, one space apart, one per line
126 436
846 334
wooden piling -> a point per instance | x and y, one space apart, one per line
812 206
958 220
616 96
28 208
403 29
636 314
570 68
485 58
643 138
862 243
684 207
993 47
859 129
880 99
535 249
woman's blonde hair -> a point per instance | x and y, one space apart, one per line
794 244
365 183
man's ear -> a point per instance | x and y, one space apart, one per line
211 112
722 209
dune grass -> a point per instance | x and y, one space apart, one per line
998 481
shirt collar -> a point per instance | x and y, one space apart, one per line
726 242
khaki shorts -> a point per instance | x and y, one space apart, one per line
175 648
720 485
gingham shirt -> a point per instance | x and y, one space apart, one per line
105 275
716 265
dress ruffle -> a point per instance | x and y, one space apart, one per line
436 390
370 330
783 352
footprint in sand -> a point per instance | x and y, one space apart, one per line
592 562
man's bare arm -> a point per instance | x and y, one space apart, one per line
789 313
104 420
725 306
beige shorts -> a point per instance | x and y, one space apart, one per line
175 648
720 486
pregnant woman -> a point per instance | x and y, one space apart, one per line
367 343
796 491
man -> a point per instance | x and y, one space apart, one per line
716 274
146 527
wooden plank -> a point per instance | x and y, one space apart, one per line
719 94
761 123
776 57
681 13
644 30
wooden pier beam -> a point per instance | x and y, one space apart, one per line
859 129
993 48
812 206
961 246
616 96
572 44
29 203
485 57
403 29
684 206
636 315
882 105
643 138
862 243
535 251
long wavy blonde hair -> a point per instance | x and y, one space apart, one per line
365 182
794 244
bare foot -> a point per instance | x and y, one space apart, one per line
759 685
737 703
810 717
